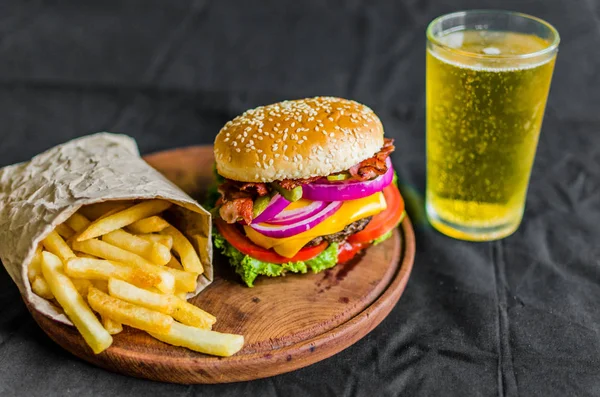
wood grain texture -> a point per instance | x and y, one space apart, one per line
288 322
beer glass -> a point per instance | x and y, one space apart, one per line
488 77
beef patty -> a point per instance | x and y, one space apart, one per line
338 237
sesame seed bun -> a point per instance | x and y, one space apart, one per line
297 139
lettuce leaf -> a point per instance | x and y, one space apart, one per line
325 260
249 268
382 238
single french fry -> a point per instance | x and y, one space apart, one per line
179 309
163 239
174 263
113 327
95 211
189 258
108 251
123 218
35 266
201 340
191 315
40 287
154 252
81 285
152 224
64 231
184 281
56 245
78 222
101 269
73 304
127 313
141 297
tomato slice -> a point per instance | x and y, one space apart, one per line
243 244
384 221
347 251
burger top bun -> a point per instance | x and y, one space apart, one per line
297 139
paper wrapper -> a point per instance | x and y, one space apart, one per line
37 195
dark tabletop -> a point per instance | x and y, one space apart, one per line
515 317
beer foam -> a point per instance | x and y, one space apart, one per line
487 68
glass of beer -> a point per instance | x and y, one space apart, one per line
488 77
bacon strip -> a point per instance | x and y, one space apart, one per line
374 166
231 211
238 199
290 184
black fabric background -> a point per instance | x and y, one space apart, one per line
514 317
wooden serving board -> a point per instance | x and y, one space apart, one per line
288 322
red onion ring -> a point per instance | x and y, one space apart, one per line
348 190
282 231
275 206
287 217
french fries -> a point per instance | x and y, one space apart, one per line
128 314
73 304
104 250
123 218
55 244
78 222
177 308
201 340
156 253
40 287
163 239
185 250
101 269
151 224
184 281
111 264
35 266
65 231
111 326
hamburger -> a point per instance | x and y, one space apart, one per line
303 185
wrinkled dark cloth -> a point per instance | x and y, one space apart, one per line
514 317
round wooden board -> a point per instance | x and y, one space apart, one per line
288 322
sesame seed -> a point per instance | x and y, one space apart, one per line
234 143
238 149
258 164
226 140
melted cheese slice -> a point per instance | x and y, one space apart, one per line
349 212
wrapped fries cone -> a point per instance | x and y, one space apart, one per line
38 195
